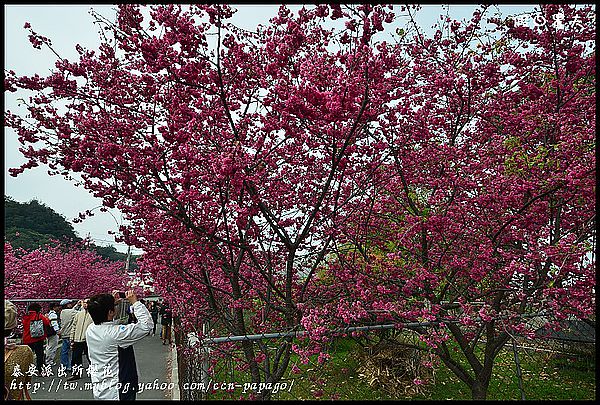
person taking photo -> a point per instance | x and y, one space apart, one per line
106 339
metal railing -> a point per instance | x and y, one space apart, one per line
380 364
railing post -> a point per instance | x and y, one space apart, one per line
518 365
205 364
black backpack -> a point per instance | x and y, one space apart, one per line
49 329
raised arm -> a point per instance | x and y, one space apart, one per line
126 335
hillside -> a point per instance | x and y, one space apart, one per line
33 224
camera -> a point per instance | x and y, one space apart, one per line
121 294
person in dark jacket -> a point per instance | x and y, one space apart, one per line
154 313
165 320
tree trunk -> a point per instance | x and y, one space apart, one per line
479 389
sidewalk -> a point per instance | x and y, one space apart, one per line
154 372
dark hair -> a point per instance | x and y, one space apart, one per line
34 306
99 307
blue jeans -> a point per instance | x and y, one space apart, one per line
65 359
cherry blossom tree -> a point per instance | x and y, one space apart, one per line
56 271
488 214
229 151
316 172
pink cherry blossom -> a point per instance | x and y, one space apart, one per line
305 177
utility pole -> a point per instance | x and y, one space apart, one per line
127 259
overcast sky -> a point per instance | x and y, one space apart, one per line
66 26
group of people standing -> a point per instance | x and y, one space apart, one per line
166 318
66 320
71 321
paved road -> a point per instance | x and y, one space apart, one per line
154 368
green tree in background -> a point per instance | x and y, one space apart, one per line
35 223
32 224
